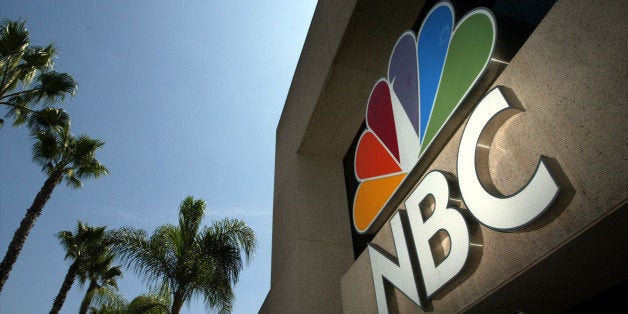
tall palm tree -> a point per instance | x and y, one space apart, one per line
100 274
190 260
26 75
80 246
61 156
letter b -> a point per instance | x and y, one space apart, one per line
443 218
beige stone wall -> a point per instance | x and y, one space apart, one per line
570 79
341 58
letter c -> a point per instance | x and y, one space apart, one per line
502 213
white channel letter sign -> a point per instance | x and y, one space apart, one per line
502 213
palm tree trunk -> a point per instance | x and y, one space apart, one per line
27 223
65 287
177 302
87 299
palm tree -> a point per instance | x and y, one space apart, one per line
80 247
27 77
148 304
190 260
61 156
107 301
100 274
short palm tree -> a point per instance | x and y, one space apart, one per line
190 260
80 246
26 75
61 156
148 304
100 274
107 301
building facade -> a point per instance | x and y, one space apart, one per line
563 67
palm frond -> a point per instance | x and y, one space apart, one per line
19 111
53 119
33 61
110 276
107 300
66 239
14 38
11 76
219 297
53 87
145 259
36 58
76 157
71 180
92 169
190 215
46 151
83 150
166 242
236 233
221 247
100 270
148 304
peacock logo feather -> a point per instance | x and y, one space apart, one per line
429 75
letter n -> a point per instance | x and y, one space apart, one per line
399 271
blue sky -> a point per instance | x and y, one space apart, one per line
187 96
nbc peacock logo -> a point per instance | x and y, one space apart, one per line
429 75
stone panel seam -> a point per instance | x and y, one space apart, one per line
283 265
283 180
340 64
326 26
324 242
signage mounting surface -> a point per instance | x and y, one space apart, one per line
429 76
